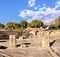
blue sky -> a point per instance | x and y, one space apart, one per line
17 10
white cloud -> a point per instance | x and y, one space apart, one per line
36 7
58 2
34 18
31 3
26 13
22 14
40 13
48 20
29 12
56 6
43 8
37 14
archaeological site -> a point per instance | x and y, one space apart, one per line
31 42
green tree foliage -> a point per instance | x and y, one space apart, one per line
16 25
23 24
9 26
52 26
55 24
12 26
36 23
28 24
2 25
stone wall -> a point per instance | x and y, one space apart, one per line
55 33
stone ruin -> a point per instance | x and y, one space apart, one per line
28 38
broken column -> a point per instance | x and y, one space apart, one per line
12 41
45 39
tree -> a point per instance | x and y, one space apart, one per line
36 23
23 24
57 22
12 25
2 25
9 26
52 26
16 25
28 24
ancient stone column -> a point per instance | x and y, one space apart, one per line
45 39
12 41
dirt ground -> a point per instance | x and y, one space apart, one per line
31 51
